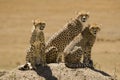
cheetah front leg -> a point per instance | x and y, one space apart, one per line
87 61
60 57
51 54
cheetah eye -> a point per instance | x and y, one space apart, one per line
43 24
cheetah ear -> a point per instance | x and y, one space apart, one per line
33 21
76 12
88 13
99 27
44 24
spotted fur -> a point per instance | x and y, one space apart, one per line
85 40
62 38
36 54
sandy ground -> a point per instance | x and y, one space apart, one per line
56 72
16 23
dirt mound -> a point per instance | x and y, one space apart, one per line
57 72
3 72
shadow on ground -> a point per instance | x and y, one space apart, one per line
45 72
101 72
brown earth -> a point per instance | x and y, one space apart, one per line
16 22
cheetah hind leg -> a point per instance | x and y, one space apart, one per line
76 52
51 54
60 57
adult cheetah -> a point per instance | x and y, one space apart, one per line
36 54
85 40
64 36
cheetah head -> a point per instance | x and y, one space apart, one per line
94 29
83 16
38 24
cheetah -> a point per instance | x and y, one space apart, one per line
36 54
63 37
85 40
74 56
52 51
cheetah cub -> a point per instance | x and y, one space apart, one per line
36 54
85 40
74 56
91 35
63 37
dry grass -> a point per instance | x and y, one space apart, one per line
15 27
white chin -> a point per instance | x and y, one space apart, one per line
83 21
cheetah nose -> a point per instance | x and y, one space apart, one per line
94 32
83 19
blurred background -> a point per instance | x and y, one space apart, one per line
16 23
